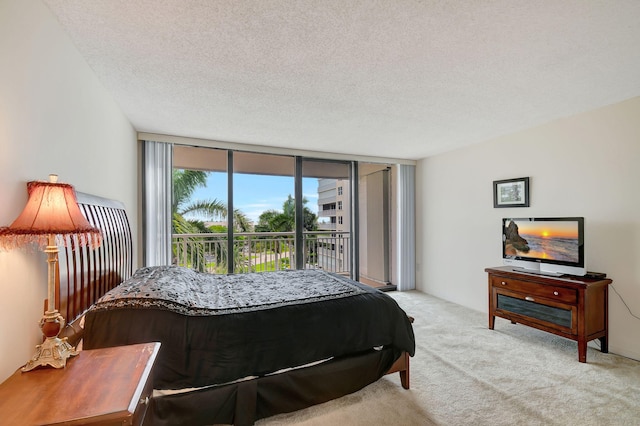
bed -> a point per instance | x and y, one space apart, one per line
235 348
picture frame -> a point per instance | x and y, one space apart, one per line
511 192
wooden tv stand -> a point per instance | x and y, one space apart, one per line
571 307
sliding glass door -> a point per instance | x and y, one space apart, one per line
263 190
329 246
200 209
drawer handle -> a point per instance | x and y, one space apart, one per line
555 293
530 299
144 401
503 283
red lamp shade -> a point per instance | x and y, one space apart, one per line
52 209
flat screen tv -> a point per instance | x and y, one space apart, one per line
549 246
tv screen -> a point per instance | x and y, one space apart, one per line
550 245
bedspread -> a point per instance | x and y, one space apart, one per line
189 292
216 329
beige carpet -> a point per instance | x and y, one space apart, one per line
464 374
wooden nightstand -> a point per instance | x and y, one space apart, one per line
98 387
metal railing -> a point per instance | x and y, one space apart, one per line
326 213
262 251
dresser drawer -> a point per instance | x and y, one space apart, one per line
561 318
561 294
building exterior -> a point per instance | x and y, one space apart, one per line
334 217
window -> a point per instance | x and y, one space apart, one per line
317 180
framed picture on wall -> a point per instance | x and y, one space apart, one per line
511 192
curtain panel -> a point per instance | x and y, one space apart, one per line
157 192
406 227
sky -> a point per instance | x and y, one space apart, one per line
254 194
546 229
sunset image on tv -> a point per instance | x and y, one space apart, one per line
542 240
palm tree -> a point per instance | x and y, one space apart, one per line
185 182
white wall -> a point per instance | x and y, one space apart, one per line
585 165
55 117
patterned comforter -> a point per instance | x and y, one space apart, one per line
188 292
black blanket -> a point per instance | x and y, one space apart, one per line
216 329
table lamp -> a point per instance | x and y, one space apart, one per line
51 214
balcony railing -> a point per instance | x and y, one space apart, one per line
327 185
327 213
326 226
262 251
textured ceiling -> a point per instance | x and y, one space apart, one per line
396 78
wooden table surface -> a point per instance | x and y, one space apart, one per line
99 385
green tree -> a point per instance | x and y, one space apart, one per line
185 182
285 220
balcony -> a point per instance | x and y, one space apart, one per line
326 198
327 185
262 251
326 226
327 213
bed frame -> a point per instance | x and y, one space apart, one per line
85 275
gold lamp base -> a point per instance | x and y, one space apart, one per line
54 351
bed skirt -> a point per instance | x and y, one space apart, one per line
245 402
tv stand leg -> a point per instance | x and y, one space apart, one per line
604 345
492 320
582 350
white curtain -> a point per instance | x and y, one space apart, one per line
406 227
157 190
